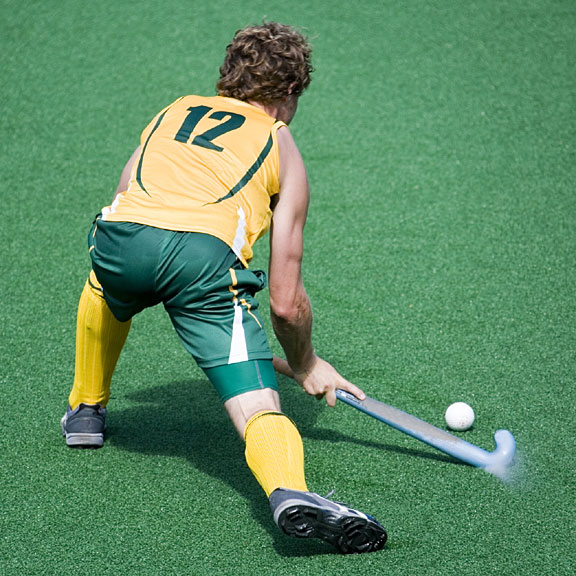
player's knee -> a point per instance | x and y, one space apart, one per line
243 407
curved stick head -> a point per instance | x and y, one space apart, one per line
501 459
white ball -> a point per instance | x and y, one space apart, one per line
459 416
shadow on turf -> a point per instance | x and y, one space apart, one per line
187 420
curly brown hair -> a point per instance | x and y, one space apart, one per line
265 64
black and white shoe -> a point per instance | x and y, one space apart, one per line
308 515
84 426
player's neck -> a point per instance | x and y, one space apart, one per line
283 110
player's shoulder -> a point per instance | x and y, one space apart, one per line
286 142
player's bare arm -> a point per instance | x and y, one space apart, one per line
290 307
125 176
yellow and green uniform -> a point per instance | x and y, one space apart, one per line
181 234
209 165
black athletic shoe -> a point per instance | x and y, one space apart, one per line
84 426
307 515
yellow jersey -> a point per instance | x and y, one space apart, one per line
209 165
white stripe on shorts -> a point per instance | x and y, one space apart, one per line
238 349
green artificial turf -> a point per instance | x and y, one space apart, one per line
439 139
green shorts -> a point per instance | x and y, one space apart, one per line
208 294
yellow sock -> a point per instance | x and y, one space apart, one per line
274 452
99 341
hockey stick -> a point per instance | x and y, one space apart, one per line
495 462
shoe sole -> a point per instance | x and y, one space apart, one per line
349 534
81 440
